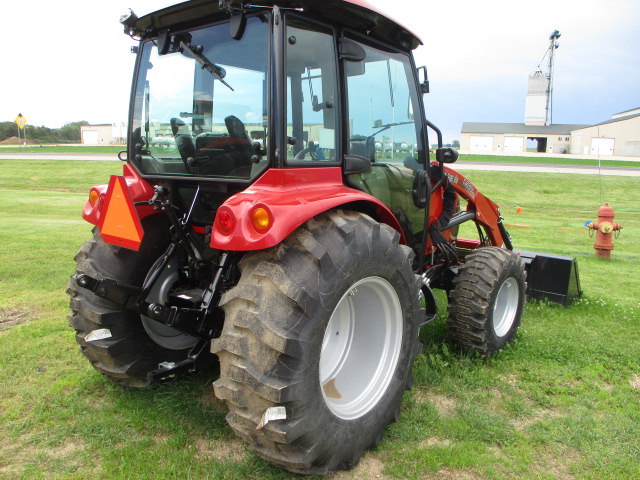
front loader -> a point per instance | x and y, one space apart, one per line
279 211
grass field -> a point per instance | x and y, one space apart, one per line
603 162
65 149
561 402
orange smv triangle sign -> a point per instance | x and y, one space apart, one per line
119 222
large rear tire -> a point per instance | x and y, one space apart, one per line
320 336
487 301
121 344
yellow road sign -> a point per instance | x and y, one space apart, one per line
20 121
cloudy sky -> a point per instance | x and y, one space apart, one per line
68 60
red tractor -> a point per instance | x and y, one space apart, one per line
293 230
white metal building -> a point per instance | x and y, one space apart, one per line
104 134
618 136
516 137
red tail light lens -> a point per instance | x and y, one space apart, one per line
226 221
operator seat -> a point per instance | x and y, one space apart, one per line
184 140
236 128
239 148
363 146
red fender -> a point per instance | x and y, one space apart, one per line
139 189
286 198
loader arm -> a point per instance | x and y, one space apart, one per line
487 212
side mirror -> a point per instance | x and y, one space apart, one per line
355 164
423 79
351 51
446 155
421 189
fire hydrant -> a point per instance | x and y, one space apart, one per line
604 228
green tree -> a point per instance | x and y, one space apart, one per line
68 133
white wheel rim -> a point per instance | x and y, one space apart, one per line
505 307
361 347
162 334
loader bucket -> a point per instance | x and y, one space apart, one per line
551 277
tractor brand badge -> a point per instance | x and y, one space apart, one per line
468 186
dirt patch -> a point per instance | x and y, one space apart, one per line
22 453
14 141
634 381
369 468
444 404
558 464
434 441
446 474
10 317
221 449
544 414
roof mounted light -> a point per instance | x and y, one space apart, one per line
129 21
230 6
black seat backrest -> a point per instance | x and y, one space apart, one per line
183 138
364 147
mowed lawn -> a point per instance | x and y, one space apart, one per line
561 402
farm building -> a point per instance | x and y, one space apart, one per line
618 136
516 137
104 134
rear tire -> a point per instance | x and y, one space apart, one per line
326 326
118 342
487 301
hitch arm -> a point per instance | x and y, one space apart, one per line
191 321
196 322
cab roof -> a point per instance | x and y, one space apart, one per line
358 15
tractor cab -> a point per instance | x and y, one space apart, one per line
320 89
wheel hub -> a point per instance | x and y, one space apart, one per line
160 333
505 307
361 347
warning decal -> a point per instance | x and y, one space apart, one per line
119 221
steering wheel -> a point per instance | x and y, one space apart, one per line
310 149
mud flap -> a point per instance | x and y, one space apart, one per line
551 277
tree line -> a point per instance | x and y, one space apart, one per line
68 133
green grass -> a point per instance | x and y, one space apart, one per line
604 161
561 402
65 149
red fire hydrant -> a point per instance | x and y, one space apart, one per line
605 228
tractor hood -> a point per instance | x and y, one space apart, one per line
358 15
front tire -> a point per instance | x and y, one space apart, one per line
487 301
326 326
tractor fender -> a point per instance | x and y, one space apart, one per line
139 189
280 201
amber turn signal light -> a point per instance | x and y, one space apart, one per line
261 219
94 196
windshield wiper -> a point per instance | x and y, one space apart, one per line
196 52
388 126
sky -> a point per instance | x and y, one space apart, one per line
69 60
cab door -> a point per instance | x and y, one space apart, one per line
384 125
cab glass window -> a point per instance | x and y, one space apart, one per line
311 93
383 127
201 105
